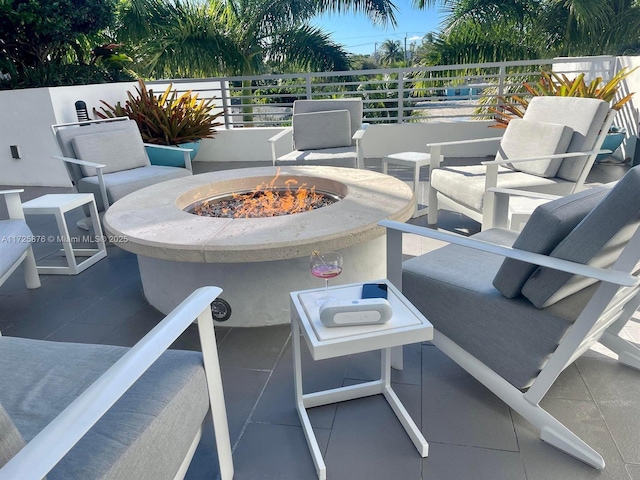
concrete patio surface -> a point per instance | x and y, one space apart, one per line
472 434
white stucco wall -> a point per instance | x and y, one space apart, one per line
25 120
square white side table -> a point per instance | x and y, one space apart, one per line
407 325
58 205
416 160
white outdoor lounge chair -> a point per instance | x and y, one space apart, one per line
15 242
108 158
550 150
569 280
325 132
99 411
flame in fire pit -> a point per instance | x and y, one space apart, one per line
266 200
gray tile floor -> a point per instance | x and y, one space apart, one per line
472 434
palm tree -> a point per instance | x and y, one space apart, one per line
486 30
391 52
236 37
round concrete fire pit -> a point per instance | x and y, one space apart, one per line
256 261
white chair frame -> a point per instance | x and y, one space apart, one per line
14 207
601 320
491 177
47 448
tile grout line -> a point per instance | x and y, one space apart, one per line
264 387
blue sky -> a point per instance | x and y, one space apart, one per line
357 34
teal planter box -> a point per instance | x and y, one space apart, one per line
171 158
611 142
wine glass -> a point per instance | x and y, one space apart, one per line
326 266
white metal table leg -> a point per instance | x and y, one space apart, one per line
316 454
396 405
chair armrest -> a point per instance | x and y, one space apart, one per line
609 276
186 152
7 192
360 132
168 147
47 448
523 193
14 204
435 149
279 135
275 139
80 162
545 157
98 167
463 142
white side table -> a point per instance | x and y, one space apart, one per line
58 205
416 160
407 325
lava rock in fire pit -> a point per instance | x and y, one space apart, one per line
271 203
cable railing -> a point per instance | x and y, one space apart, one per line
443 93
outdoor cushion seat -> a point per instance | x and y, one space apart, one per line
550 150
15 242
73 411
162 412
324 132
466 185
570 280
120 184
334 157
463 304
115 148
11 249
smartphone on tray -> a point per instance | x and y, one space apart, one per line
374 290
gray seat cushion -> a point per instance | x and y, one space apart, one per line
584 115
119 184
334 157
119 150
14 235
526 139
313 131
11 442
549 224
452 287
146 434
466 184
597 241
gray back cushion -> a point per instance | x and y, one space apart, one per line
119 150
330 129
354 105
11 441
525 138
549 224
597 241
65 135
584 115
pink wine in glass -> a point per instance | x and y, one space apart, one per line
326 271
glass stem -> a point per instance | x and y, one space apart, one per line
326 287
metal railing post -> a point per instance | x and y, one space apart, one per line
502 75
224 95
307 80
400 96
